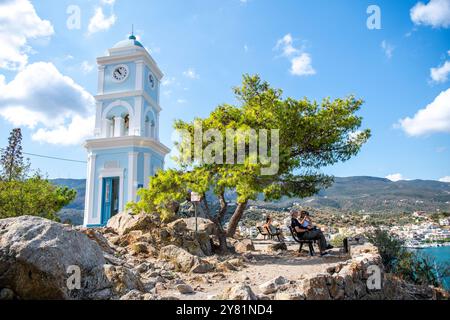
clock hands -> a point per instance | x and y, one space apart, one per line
120 73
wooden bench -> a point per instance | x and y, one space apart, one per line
302 242
273 235
263 232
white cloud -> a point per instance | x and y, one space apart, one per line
108 2
301 62
435 117
285 44
40 97
168 81
440 74
75 132
191 74
387 48
435 13
445 179
19 23
301 65
395 177
87 67
181 101
99 22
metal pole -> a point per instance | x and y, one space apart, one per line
196 223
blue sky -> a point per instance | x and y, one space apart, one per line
48 72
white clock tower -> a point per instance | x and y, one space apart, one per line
126 149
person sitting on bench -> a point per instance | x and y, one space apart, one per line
273 231
306 234
305 220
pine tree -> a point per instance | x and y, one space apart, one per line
13 166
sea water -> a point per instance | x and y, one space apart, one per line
440 255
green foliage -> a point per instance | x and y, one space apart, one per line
165 188
338 240
409 265
312 135
34 196
389 247
22 194
11 161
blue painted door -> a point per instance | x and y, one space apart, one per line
107 199
110 198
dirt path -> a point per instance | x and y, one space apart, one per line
264 267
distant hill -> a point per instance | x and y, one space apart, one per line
351 194
378 195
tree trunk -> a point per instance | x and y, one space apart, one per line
222 235
237 215
220 232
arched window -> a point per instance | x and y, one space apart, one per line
117 119
127 125
150 126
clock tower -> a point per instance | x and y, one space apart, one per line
125 150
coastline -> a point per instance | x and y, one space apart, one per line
430 245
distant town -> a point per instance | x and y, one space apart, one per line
418 230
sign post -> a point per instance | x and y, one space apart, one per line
195 199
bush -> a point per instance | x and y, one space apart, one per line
410 266
35 196
338 241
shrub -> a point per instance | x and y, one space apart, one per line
411 266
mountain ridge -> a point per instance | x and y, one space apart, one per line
352 194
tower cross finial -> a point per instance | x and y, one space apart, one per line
132 29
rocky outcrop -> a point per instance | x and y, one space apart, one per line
41 259
277 246
155 261
36 253
125 222
244 246
184 261
354 279
273 285
238 292
152 235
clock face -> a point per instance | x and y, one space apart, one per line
120 73
151 80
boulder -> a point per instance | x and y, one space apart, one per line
203 225
99 238
133 295
289 295
273 285
336 288
181 233
243 246
123 279
36 253
238 292
277 246
6 294
184 288
316 287
139 248
125 222
225 266
183 260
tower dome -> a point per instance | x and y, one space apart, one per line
130 42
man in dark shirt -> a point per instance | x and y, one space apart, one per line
306 234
